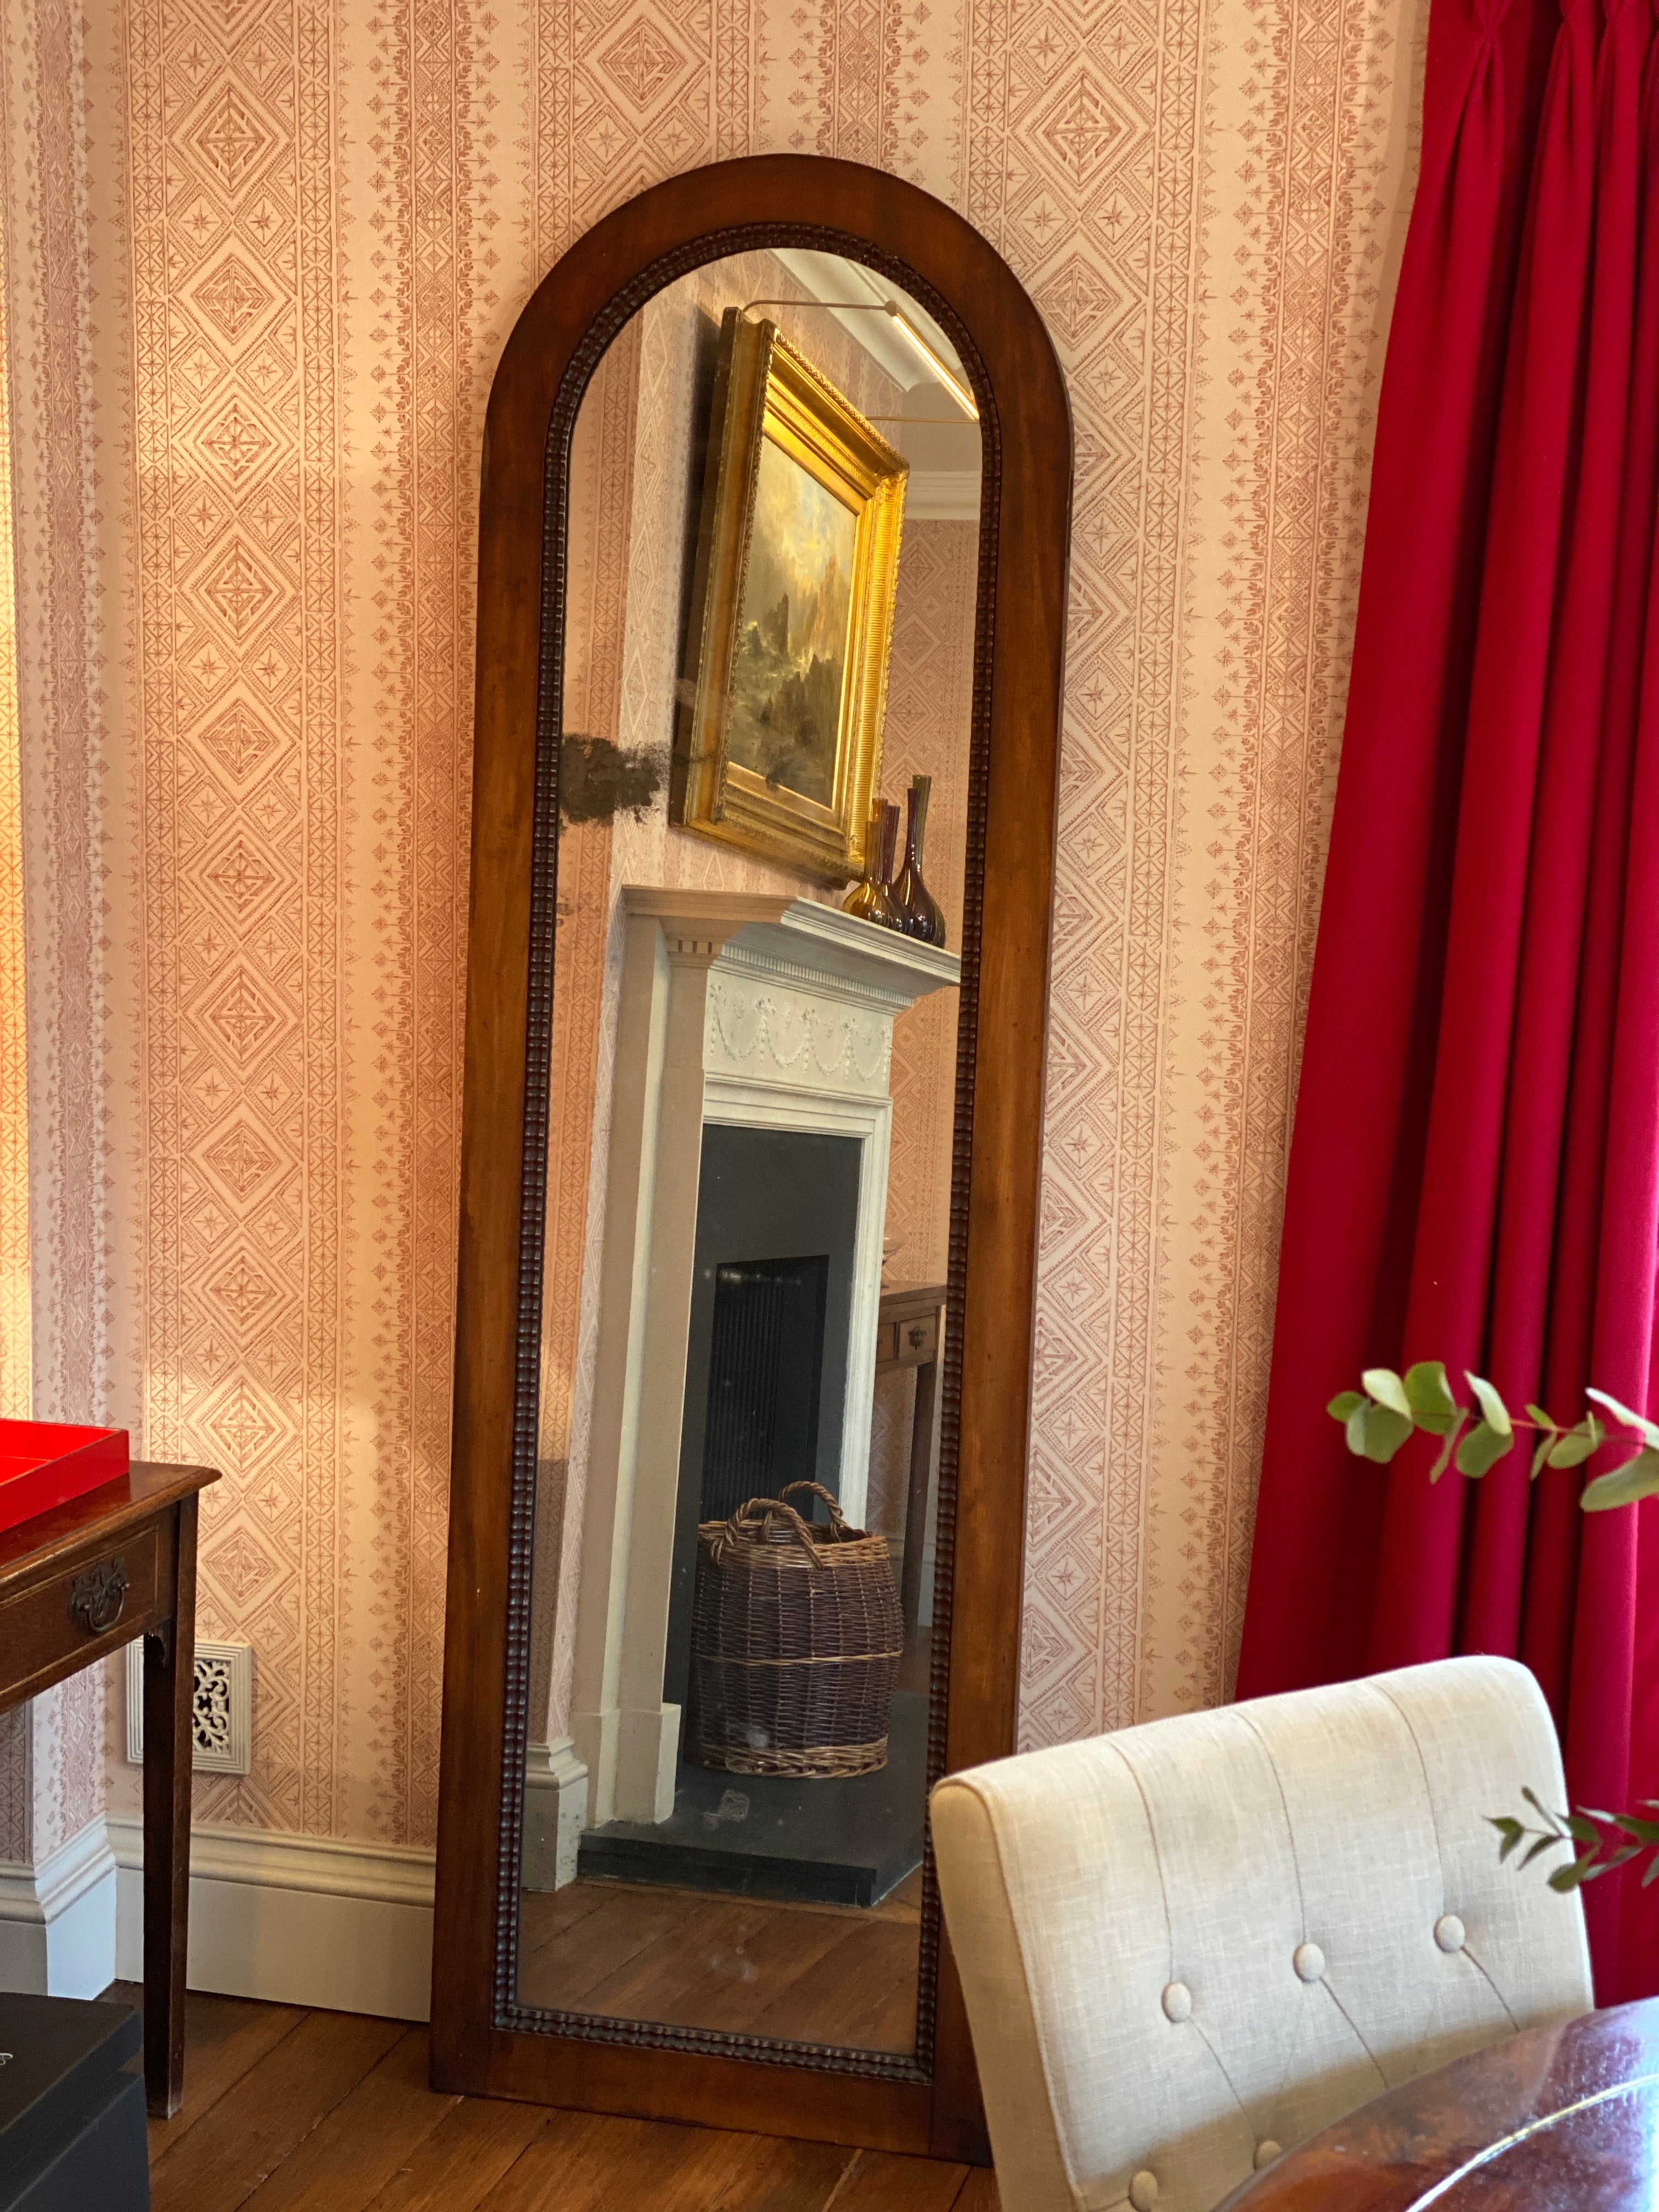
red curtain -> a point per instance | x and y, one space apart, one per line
1474 1174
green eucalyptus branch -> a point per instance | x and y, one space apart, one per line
1597 1852
1388 1409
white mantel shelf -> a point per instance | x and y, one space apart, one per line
745 1010
798 940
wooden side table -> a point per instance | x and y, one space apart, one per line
910 1333
76 1583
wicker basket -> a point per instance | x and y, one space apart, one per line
796 1634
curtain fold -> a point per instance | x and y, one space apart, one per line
1475 1171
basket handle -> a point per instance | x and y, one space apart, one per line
752 1518
837 1519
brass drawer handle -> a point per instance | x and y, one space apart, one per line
918 1337
97 1597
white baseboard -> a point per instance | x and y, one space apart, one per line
555 1813
57 1919
292 1919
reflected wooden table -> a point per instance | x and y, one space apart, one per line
1553 2119
910 1333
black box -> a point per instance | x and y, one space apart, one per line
71 2107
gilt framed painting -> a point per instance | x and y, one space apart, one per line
778 737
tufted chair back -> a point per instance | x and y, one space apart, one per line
1190 1944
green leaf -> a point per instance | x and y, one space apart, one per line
1386 1387
1510 1829
1549 1431
1355 1428
1344 1403
1491 1406
1595 1868
1569 1877
1429 1395
1482 1449
1644 1429
1645 1831
1652 1874
1638 1478
1385 1431
1543 1844
1574 1447
1450 1445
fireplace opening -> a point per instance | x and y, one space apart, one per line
768 1340
765 1369
767 1402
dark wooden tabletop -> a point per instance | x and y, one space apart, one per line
1553 2119
106 1512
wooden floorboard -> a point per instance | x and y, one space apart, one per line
805 1974
978 2192
255 2126
879 2181
367 2138
225 2036
457 2167
609 2162
289 2111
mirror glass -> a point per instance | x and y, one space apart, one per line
772 556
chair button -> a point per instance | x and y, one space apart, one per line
1177 2002
1143 2190
1448 1932
1308 1961
1265 2153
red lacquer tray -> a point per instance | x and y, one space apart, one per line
42 1463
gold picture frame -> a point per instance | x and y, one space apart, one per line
778 737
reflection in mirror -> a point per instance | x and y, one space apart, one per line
772 558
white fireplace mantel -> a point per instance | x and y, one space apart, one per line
735 1008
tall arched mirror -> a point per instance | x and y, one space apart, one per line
769 670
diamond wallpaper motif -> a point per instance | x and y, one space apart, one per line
258 276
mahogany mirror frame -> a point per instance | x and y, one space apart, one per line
483 2042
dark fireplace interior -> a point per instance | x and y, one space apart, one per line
765 1372
766 1349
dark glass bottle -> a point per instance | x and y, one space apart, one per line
920 912
872 896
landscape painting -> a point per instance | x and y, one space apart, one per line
777 739
791 662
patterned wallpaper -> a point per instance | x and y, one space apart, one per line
263 256
58 1226
16 1345
16 1775
930 693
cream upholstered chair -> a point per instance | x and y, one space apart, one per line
1189 1943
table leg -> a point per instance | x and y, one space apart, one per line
915 1506
169 1688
